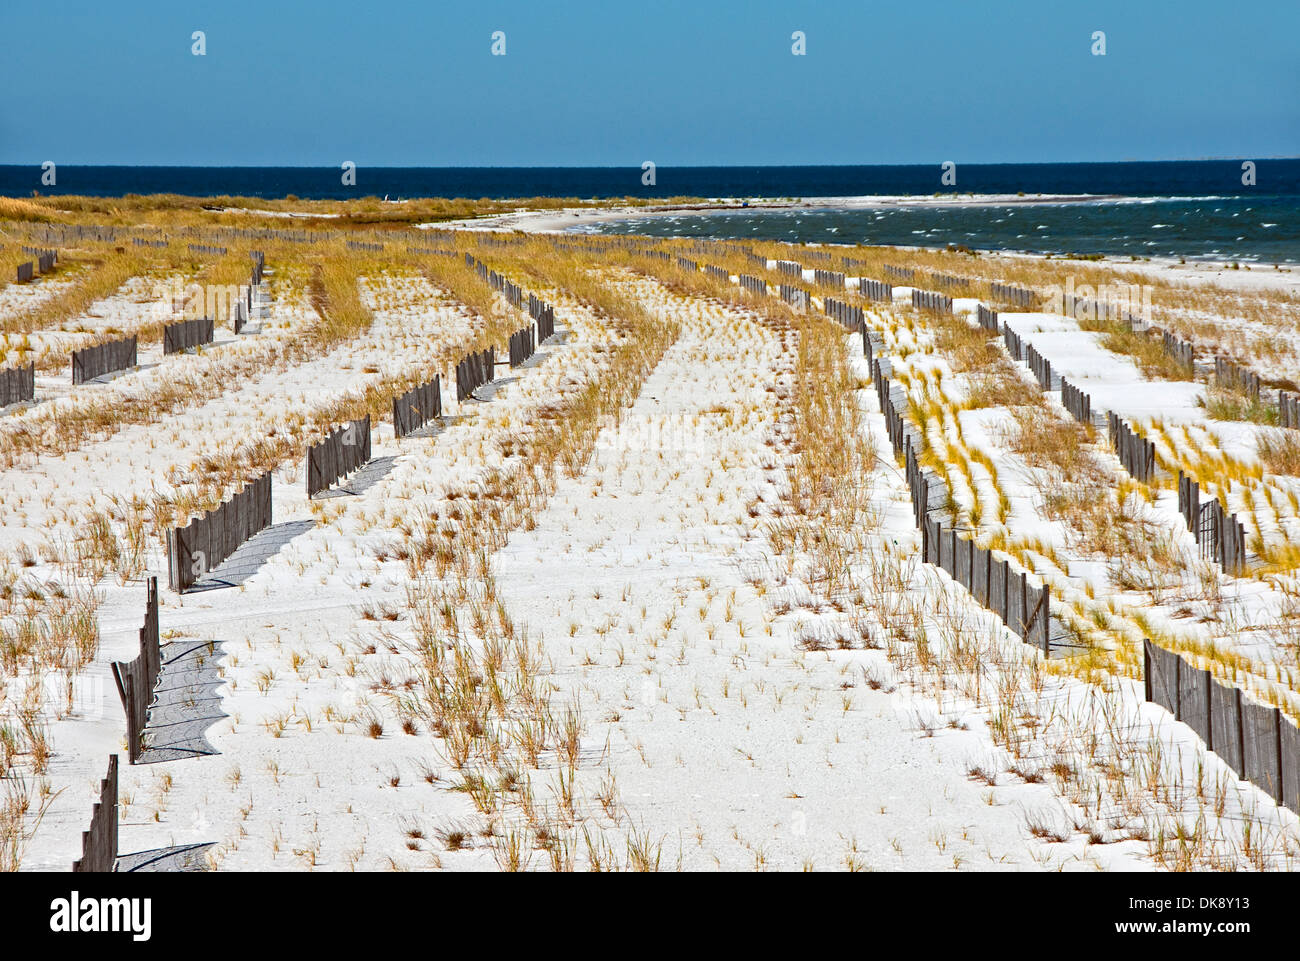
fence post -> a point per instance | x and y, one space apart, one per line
134 729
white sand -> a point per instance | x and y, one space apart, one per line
665 617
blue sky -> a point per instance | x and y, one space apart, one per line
614 83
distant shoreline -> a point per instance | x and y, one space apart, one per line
559 221
1191 270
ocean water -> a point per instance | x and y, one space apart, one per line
1256 229
1194 209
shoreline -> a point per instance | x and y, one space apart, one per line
1197 271
532 220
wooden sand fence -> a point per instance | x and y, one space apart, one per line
417 407
931 300
208 249
137 678
542 313
474 371
239 318
987 319
344 450
755 285
1218 533
950 281
187 334
1138 456
1015 296
1231 376
1259 743
46 257
200 546
523 343
919 487
1090 308
893 418
1288 409
44 263
17 384
1076 402
872 344
876 290
1012 340
993 582
1041 368
99 842
91 362
1189 502
497 281
796 297
846 314
1181 351
828 278
545 318
68 235
512 293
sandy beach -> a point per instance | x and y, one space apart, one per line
750 660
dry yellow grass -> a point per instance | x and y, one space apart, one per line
29 211
1279 450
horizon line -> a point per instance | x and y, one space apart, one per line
382 166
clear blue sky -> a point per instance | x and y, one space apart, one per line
680 82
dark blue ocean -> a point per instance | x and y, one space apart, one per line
1194 209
